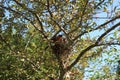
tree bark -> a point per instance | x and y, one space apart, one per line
62 73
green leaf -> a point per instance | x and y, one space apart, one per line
105 9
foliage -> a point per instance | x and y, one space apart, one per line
27 28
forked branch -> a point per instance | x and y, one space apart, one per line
92 46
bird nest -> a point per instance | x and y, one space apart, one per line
60 47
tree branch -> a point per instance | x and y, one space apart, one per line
16 12
40 23
100 26
99 4
104 44
105 33
79 56
81 18
92 46
62 29
48 8
37 17
110 43
24 7
27 43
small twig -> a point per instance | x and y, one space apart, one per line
102 17
23 6
28 42
80 34
96 6
39 22
48 7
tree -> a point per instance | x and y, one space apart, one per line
118 70
28 30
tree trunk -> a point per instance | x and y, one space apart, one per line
62 73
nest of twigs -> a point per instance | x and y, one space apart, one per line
60 47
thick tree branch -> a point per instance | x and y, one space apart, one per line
92 46
102 17
105 33
103 44
117 17
79 56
